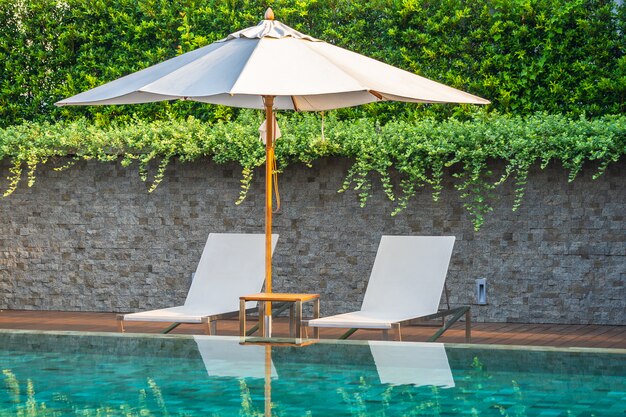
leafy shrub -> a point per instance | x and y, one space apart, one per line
559 56
406 155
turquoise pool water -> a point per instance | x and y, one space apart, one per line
46 374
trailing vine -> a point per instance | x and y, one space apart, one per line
405 156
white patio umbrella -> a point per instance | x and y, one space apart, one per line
272 66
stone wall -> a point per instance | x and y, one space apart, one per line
92 238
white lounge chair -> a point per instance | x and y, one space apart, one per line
232 264
405 284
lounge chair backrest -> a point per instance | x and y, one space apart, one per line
232 265
408 276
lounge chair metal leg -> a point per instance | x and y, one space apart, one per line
397 333
210 326
457 313
170 328
347 334
252 330
120 323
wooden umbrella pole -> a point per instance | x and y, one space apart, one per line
269 157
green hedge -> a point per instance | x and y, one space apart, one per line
560 56
406 155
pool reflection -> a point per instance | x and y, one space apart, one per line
54 374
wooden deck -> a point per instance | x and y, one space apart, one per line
482 333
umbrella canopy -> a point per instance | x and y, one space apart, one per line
272 59
272 66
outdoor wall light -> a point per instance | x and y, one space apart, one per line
481 291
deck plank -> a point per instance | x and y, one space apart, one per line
482 333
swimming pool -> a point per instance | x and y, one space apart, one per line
67 374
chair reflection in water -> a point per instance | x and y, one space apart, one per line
288 365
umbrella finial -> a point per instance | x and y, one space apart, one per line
269 14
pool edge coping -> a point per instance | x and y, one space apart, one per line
289 342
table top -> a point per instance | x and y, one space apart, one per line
278 296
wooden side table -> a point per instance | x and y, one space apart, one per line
295 312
